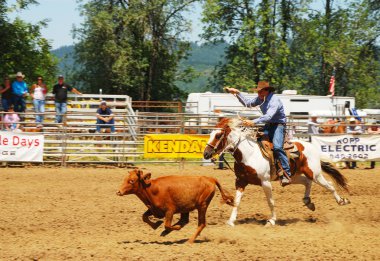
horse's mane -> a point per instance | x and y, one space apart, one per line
228 122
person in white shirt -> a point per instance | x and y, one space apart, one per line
313 125
38 92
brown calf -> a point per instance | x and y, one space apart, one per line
168 195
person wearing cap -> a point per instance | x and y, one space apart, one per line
19 92
274 119
6 93
60 97
353 128
38 92
105 118
312 124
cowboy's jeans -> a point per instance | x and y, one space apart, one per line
276 134
60 109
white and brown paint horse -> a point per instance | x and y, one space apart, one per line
252 168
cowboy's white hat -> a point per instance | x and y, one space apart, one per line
19 74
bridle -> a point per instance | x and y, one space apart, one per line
214 147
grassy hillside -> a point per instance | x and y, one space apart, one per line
202 59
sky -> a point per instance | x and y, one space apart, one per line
64 14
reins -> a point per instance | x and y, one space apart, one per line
232 147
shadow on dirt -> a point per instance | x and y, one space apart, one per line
261 221
179 242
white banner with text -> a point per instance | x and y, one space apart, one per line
21 147
349 147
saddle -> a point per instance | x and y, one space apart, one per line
266 148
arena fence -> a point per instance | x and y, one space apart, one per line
75 140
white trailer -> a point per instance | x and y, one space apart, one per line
298 108
294 104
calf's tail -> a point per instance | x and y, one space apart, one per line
335 174
226 196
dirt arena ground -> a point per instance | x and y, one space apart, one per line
74 214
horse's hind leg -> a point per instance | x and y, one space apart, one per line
320 179
238 196
267 187
300 179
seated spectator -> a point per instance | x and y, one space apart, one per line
373 129
105 118
12 120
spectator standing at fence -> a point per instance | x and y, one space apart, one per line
375 130
38 92
19 92
353 128
6 93
12 120
105 118
60 97
313 125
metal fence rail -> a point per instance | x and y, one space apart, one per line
75 140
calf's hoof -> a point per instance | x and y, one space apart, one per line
165 232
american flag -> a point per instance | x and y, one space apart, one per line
332 84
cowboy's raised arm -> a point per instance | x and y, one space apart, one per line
247 102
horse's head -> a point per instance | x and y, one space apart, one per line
219 138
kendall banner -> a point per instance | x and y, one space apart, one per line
174 146
21 147
349 147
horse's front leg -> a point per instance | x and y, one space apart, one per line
238 196
267 187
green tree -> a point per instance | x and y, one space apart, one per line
22 46
132 47
296 47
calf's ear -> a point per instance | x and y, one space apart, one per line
146 178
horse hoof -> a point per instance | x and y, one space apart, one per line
311 206
344 201
230 223
270 223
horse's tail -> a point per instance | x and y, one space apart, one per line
335 174
226 197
